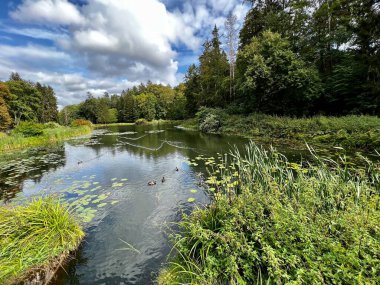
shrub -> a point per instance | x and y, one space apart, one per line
29 129
211 124
81 122
210 120
141 122
51 125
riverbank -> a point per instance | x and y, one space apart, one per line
48 136
272 221
138 122
352 132
36 239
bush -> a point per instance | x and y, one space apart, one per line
210 120
81 122
29 129
51 125
141 122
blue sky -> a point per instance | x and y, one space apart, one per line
78 46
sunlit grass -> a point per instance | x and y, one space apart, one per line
33 236
17 141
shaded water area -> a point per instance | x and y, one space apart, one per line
105 179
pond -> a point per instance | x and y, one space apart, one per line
105 179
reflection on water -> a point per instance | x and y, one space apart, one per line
126 238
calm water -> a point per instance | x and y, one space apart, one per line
126 220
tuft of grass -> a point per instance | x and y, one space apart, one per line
33 236
49 136
276 222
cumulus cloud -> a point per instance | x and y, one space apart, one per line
48 11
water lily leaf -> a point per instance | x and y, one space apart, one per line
116 184
191 200
193 190
102 205
124 179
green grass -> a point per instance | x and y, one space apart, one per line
275 222
33 236
153 122
17 141
355 132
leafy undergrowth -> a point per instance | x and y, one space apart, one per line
17 141
33 236
349 131
275 222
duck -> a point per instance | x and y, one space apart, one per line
176 168
163 179
80 162
151 183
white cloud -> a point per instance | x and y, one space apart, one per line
60 12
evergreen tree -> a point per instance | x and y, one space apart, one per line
213 73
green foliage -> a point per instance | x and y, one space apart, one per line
146 104
29 129
34 235
273 80
68 114
213 73
49 110
141 122
210 120
81 122
361 132
276 222
5 96
51 125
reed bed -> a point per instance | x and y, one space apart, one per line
34 236
276 222
49 136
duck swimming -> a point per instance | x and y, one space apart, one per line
176 168
163 179
151 183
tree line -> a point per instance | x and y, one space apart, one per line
22 100
149 101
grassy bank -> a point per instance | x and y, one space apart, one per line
275 222
35 238
362 132
48 136
139 122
